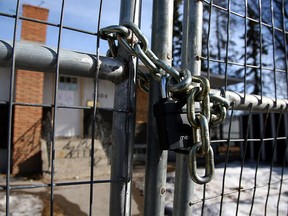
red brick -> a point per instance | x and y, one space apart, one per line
29 89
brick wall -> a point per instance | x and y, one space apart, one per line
29 89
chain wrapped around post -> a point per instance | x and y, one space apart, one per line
181 84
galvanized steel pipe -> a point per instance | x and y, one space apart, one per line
258 104
37 57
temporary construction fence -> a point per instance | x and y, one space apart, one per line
244 40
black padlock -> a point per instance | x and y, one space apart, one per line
173 134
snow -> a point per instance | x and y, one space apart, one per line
21 205
214 190
28 204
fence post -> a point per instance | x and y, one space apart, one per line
191 49
156 161
124 125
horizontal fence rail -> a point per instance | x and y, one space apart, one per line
41 58
259 104
37 57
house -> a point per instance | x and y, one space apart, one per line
38 88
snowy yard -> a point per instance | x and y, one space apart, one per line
214 190
32 204
22 205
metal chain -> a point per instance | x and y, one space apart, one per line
180 83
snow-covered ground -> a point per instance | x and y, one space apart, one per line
229 205
28 204
22 205
214 190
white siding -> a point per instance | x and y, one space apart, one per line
70 121
105 93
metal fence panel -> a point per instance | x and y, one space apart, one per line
243 43
70 70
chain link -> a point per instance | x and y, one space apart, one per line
194 88
218 110
199 121
209 165
142 81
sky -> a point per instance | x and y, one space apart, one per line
77 14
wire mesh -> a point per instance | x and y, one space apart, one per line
241 40
75 156
244 40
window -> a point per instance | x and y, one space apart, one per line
68 83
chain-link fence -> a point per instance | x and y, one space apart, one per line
69 116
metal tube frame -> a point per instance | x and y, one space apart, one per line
156 160
36 57
123 136
191 51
